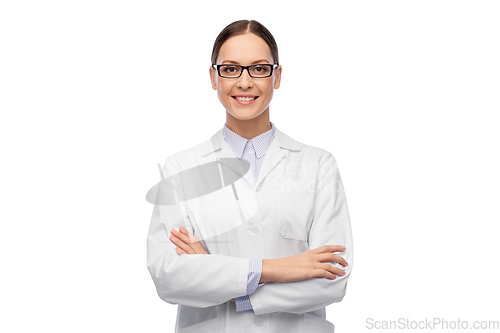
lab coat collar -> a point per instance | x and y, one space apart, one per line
274 154
238 143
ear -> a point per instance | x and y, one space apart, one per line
213 73
277 80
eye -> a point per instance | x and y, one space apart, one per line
261 70
229 69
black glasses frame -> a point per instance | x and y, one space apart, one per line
243 68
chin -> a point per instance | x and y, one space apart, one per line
244 116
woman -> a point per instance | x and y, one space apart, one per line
270 248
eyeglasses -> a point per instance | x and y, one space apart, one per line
235 71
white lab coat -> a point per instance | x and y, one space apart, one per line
297 204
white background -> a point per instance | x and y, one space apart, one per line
405 94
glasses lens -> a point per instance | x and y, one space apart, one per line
260 70
230 71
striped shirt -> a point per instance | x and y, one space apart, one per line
253 151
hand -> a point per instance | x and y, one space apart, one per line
306 265
186 242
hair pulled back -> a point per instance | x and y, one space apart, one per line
241 27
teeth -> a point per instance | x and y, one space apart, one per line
245 98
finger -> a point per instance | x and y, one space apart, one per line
181 236
194 242
329 248
180 251
190 236
196 245
333 269
193 248
187 238
191 244
322 257
182 245
319 272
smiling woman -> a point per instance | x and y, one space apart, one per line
245 94
272 248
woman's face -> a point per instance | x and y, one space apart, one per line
245 50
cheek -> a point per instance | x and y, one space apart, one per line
225 90
267 90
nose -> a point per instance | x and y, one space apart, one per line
245 80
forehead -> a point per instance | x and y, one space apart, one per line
244 49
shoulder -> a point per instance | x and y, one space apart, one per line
186 158
312 157
305 151
315 151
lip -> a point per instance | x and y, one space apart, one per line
245 102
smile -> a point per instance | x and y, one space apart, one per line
245 100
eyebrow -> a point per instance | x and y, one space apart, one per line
254 62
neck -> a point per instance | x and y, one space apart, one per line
250 128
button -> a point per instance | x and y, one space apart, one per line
250 152
258 321
249 144
254 229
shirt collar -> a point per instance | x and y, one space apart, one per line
238 143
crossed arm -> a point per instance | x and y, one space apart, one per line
295 268
305 293
186 243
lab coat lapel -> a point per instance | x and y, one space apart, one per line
277 151
227 152
273 156
222 151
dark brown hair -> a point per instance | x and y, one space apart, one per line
241 27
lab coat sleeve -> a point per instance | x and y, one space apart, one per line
330 226
243 302
196 280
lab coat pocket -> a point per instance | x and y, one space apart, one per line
294 213
317 324
208 326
